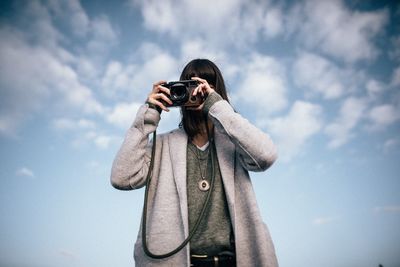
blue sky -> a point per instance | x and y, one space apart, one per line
321 77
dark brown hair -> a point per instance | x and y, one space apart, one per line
203 68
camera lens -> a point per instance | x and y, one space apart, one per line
178 92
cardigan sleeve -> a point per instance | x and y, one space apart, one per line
256 150
131 164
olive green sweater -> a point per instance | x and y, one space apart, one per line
214 232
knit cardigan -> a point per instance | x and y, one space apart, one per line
241 147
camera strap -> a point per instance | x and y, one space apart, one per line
203 210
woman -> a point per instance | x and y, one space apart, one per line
210 154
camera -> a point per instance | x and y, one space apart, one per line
181 93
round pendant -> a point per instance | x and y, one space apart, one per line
204 185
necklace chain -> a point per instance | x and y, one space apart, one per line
203 183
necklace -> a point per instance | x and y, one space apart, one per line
203 184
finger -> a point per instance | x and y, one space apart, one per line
163 89
163 97
151 100
156 84
200 89
159 83
204 89
153 97
161 105
199 79
195 91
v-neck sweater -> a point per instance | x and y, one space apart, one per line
214 232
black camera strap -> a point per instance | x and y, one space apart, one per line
203 210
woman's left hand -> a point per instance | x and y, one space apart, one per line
203 88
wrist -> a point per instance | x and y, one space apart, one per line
211 99
153 106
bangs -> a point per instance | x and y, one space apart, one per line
199 68
192 121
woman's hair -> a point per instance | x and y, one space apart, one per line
203 68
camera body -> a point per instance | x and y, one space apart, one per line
181 93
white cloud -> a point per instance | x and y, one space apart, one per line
374 88
320 75
317 24
292 131
36 69
86 68
98 32
25 172
102 141
97 138
158 66
263 84
22 92
38 24
136 80
32 80
239 21
197 48
72 12
351 112
123 114
102 35
117 77
331 27
69 124
84 132
383 115
160 15
273 22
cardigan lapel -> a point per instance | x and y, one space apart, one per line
226 159
177 150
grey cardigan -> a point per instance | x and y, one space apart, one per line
241 147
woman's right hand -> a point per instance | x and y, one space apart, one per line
158 96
